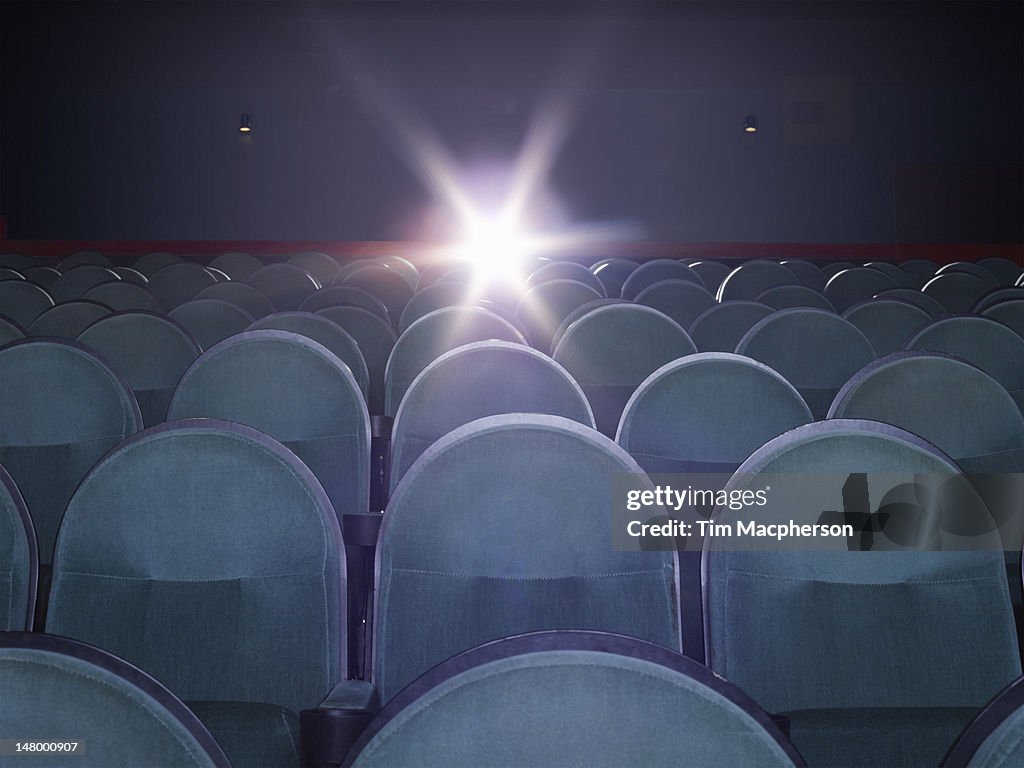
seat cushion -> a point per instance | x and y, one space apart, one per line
252 735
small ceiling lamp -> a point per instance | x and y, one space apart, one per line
246 125
750 124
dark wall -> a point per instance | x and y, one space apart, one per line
119 120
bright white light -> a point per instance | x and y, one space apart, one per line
497 248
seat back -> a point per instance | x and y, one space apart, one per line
151 351
887 323
61 409
655 271
749 280
322 267
388 285
210 320
681 300
433 335
241 295
787 296
516 488
297 391
852 286
177 283
322 331
23 301
542 308
73 283
815 351
344 296
920 270
122 296
225 541
711 273
430 299
1006 271
719 328
1010 313
957 291
901 278
857 629
915 297
995 738
613 273
10 330
580 698
484 378
286 285
237 265
375 338
151 263
565 270
114 714
67 320
19 559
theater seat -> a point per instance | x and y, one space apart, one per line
73 283
388 285
957 291
177 283
237 265
151 263
571 699
286 285
681 300
612 349
720 327
787 296
430 299
19 559
345 296
241 295
749 280
711 273
210 320
484 378
655 271
613 273
816 351
68 320
122 296
151 351
877 657
114 714
995 739
322 267
542 308
375 338
887 323
10 330
433 335
852 286
225 581
23 301
565 270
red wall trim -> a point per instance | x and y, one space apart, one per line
127 250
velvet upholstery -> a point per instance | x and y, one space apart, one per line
60 691
749 280
576 703
297 391
122 296
613 274
322 267
711 273
226 579
997 296
10 330
651 272
67 320
131 275
996 737
23 301
61 408
286 285
345 296
915 297
177 283
809 274
787 296
852 286
375 338
386 284
19 560
887 323
988 344
894 271
579 312
402 266
720 327
324 332
431 298
484 378
565 270
542 308
1009 313
210 320
504 526
810 627
42 276
969 268
151 263
16 261
151 351
920 270
956 291
433 335
1005 271
815 351
682 300
73 283
236 264
241 295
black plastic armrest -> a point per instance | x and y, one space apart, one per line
782 722
328 732
361 528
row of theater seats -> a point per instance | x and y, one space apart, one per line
695 412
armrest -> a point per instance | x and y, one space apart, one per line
361 528
329 731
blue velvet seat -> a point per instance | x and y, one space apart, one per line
852 286
10 330
19 559
577 313
719 328
894 271
375 338
114 715
61 408
433 335
957 291
915 297
324 332
18 261
1009 313
808 273
651 272
877 657
83 258
151 263
752 278
711 273
131 276
1005 271
788 296
236 264
969 268
571 699
402 266
322 267
484 378
613 273
920 270
121 296
816 351
74 283
388 285
42 276
151 351
995 738
177 283
286 285
431 298
542 308
225 581
988 344
345 296
682 300
887 323
565 270
23 301
242 295
612 349
210 320
997 296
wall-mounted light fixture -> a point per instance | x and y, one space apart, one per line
750 124
246 125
